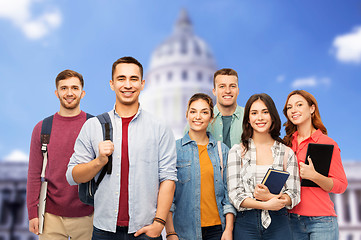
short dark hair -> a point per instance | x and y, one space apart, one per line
224 71
128 59
201 96
275 129
68 74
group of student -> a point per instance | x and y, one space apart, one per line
206 185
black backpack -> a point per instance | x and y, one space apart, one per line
46 131
88 189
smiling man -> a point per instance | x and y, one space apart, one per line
228 116
66 216
133 201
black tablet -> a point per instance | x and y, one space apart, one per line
321 155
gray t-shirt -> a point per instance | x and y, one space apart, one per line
227 120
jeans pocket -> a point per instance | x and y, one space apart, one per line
99 234
146 237
323 219
281 212
241 214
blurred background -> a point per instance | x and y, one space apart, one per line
275 46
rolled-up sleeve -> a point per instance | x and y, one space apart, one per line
235 185
293 183
167 156
83 149
227 206
337 173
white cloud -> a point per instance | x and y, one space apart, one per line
310 82
17 156
34 27
347 47
280 78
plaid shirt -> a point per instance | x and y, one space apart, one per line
241 175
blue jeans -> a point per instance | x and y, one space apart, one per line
212 232
314 228
120 234
248 225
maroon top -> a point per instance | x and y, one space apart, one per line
62 199
123 215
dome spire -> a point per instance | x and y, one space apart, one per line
183 24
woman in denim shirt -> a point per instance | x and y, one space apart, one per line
200 209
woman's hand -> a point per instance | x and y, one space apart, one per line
227 234
275 203
262 193
308 171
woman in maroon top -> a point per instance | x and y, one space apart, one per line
314 217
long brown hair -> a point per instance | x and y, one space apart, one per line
276 121
315 117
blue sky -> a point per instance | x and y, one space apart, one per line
276 46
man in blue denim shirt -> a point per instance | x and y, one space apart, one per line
132 201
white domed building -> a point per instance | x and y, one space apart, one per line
181 66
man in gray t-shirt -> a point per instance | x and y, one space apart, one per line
228 116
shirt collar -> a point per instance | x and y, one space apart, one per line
136 115
187 139
237 112
314 136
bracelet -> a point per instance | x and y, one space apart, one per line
161 221
171 233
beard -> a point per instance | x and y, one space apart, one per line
74 104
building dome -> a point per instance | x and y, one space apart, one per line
179 67
182 47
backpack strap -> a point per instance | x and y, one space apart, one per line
285 158
88 115
45 139
220 156
107 128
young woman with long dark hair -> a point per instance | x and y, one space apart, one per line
261 214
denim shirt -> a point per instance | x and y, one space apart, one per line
187 196
216 127
152 159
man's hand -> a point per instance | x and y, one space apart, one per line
173 237
153 230
262 193
106 148
34 226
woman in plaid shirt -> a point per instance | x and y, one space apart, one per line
261 214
